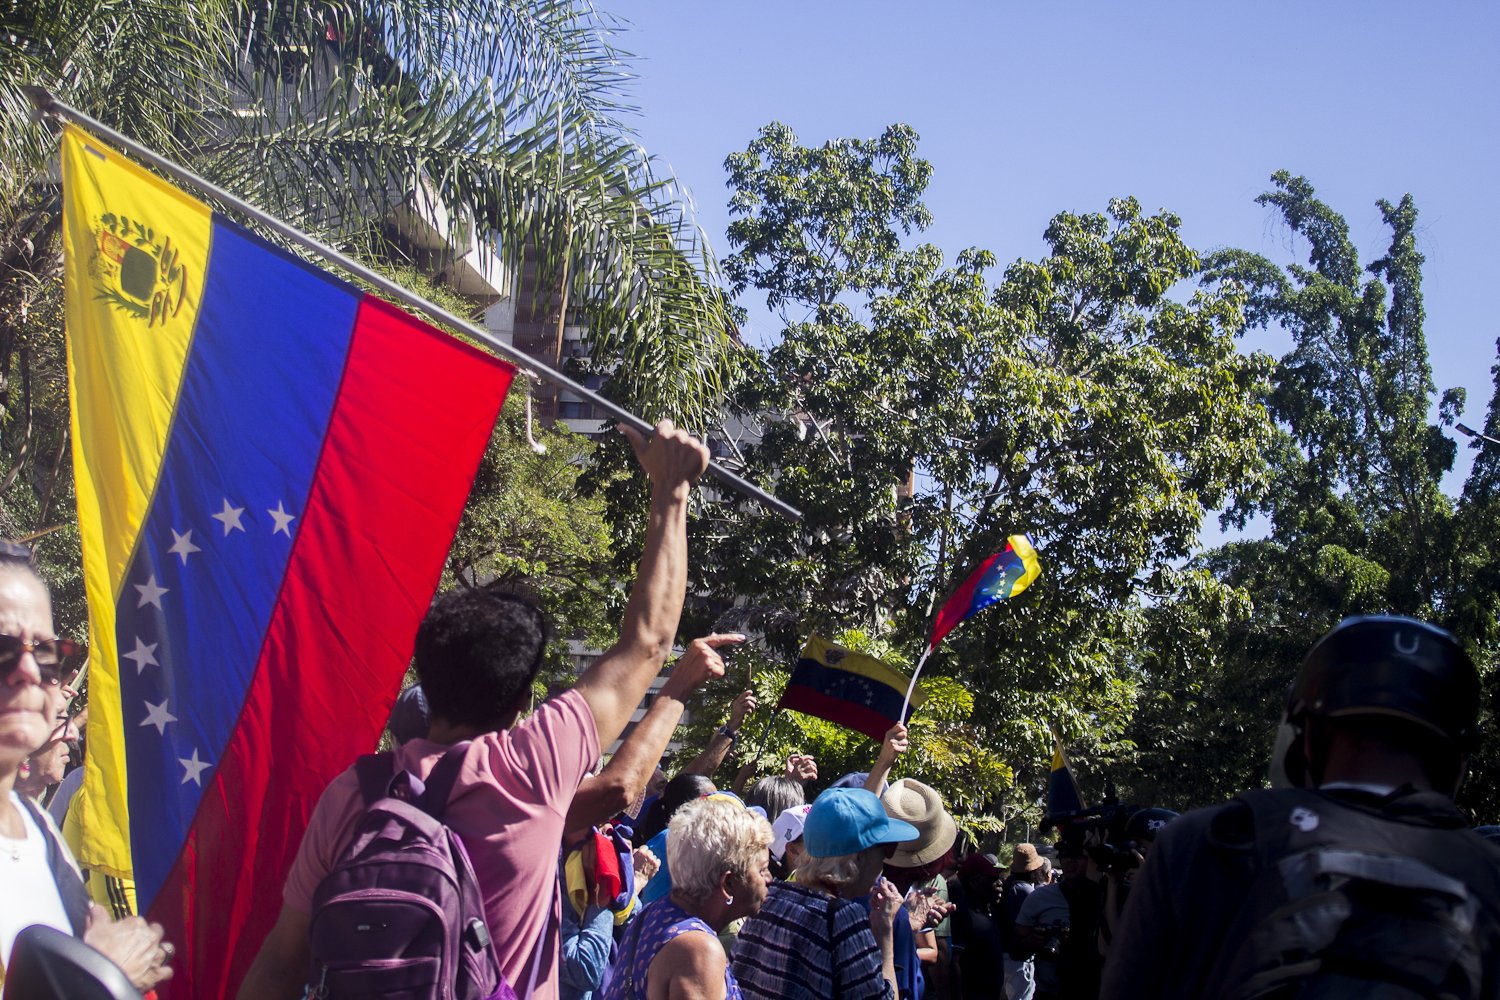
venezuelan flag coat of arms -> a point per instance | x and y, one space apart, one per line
270 468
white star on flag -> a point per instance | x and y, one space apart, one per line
230 516
158 716
283 520
150 592
195 767
182 545
144 654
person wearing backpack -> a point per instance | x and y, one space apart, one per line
477 653
1356 875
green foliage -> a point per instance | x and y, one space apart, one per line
1073 399
1359 521
527 528
815 223
36 492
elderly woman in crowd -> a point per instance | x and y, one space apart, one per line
718 853
812 938
39 881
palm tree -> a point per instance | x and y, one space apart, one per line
500 119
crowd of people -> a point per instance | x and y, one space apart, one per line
557 876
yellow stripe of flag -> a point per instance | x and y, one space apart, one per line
136 251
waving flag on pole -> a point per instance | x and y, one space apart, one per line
1063 795
270 469
1004 574
852 689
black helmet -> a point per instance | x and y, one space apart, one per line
1385 665
1390 665
1147 823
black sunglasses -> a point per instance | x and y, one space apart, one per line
49 655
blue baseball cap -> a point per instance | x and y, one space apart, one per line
848 820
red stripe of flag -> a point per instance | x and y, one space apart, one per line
415 412
804 699
957 607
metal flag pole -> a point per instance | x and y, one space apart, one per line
49 105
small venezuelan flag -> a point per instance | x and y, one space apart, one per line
1002 575
1063 795
848 688
270 468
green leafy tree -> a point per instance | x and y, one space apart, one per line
919 414
1359 522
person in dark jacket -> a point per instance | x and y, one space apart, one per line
1266 892
978 939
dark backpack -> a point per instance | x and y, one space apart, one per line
1352 909
401 914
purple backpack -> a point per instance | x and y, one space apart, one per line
401 914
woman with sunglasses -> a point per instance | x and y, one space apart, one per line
39 880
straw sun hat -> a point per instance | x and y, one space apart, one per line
920 805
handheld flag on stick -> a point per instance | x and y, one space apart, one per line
851 689
1063 794
270 468
1004 574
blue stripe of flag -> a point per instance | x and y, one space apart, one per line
257 392
846 686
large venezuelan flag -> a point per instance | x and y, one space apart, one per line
849 688
270 469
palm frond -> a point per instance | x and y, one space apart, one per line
638 269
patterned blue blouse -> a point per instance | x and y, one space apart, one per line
662 921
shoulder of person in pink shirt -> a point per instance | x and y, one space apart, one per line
527 773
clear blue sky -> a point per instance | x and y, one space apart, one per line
1026 110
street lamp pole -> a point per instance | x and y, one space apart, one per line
1475 434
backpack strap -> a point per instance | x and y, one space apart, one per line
440 780
75 898
551 934
375 771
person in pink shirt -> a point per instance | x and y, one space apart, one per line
477 653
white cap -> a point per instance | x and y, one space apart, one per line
787 828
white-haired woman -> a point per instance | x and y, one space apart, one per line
718 854
815 937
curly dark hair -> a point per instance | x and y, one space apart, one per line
477 653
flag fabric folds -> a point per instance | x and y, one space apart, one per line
1002 575
270 468
848 688
1063 795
